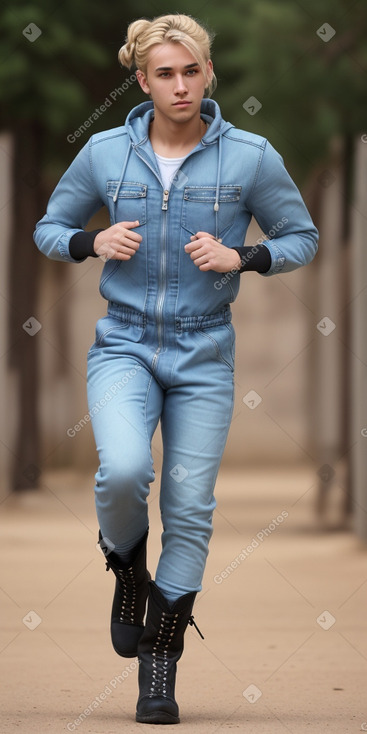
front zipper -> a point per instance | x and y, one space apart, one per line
162 273
162 276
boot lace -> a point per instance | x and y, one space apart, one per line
191 621
160 652
127 588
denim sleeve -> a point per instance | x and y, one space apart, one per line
72 203
278 207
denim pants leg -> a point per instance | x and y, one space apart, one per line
190 389
123 429
195 422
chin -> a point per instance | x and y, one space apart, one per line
187 113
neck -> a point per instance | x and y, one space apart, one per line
169 137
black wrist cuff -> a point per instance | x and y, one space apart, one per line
256 258
81 244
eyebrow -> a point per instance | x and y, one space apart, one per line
169 68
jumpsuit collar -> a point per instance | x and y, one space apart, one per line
137 126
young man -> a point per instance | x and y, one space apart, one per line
181 186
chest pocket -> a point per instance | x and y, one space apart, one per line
131 202
198 213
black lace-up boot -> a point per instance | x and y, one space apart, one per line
159 649
129 601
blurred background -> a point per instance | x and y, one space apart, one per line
285 626
301 337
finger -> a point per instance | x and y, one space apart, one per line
126 242
116 251
127 249
121 239
203 260
129 235
122 256
192 246
207 234
130 225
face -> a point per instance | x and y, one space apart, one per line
175 81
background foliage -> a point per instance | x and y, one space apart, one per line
309 90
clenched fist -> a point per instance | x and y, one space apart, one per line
208 253
118 242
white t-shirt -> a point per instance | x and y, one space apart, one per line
168 168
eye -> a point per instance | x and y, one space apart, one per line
164 74
192 72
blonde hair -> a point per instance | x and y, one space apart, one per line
143 34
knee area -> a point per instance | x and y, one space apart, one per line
124 475
188 519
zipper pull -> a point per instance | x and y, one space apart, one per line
165 200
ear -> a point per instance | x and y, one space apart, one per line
142 81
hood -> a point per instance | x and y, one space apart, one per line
137 124
138 119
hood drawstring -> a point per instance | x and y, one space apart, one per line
122 173
216 205
217 188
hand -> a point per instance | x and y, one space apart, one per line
117 242
208 253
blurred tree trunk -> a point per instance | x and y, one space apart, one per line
24 264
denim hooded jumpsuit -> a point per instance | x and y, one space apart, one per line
165 350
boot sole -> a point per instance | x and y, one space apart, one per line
157 717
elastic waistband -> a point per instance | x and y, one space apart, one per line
125 313
180 323
185 323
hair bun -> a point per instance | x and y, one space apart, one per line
127 53
142 34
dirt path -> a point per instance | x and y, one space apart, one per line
282 610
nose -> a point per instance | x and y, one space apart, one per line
180 85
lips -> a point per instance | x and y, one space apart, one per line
182 104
